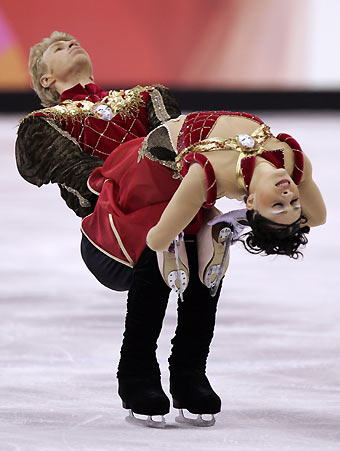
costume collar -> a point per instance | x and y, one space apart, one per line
91 92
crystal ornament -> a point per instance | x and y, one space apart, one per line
246 141
103 112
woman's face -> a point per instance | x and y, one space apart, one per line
276 197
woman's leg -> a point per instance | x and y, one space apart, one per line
189 385
138 370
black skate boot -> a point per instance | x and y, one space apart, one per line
189 385
139 381
193 392
144 396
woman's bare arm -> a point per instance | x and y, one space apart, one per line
182 208
313 206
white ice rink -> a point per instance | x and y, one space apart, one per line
275 357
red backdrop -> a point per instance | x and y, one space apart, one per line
181 43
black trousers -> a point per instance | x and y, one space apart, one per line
146 307
109 272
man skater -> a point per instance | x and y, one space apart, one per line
80 126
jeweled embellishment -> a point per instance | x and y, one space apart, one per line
246 141
125 102
141 153
159 107
103 112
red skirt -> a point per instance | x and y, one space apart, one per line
133 192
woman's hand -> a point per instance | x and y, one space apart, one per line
237 219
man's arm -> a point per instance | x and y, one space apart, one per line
45 155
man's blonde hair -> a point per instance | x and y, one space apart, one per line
37 68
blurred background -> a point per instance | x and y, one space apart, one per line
249 54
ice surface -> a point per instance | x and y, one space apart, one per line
275 358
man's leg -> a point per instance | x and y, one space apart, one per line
189 385
138 371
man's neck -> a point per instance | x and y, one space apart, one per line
62 86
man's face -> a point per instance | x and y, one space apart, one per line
65 59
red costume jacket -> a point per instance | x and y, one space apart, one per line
64 143
99 120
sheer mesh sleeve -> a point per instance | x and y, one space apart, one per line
46 154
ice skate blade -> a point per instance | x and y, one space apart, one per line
145 422
177 281
198 422
173 265
218 266
218 271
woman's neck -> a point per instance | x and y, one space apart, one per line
262 169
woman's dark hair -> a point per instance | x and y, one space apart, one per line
273 238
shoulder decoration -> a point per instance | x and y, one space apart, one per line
159 107
209 172
125 102
158 146
298 154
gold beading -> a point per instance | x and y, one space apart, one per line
259 137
